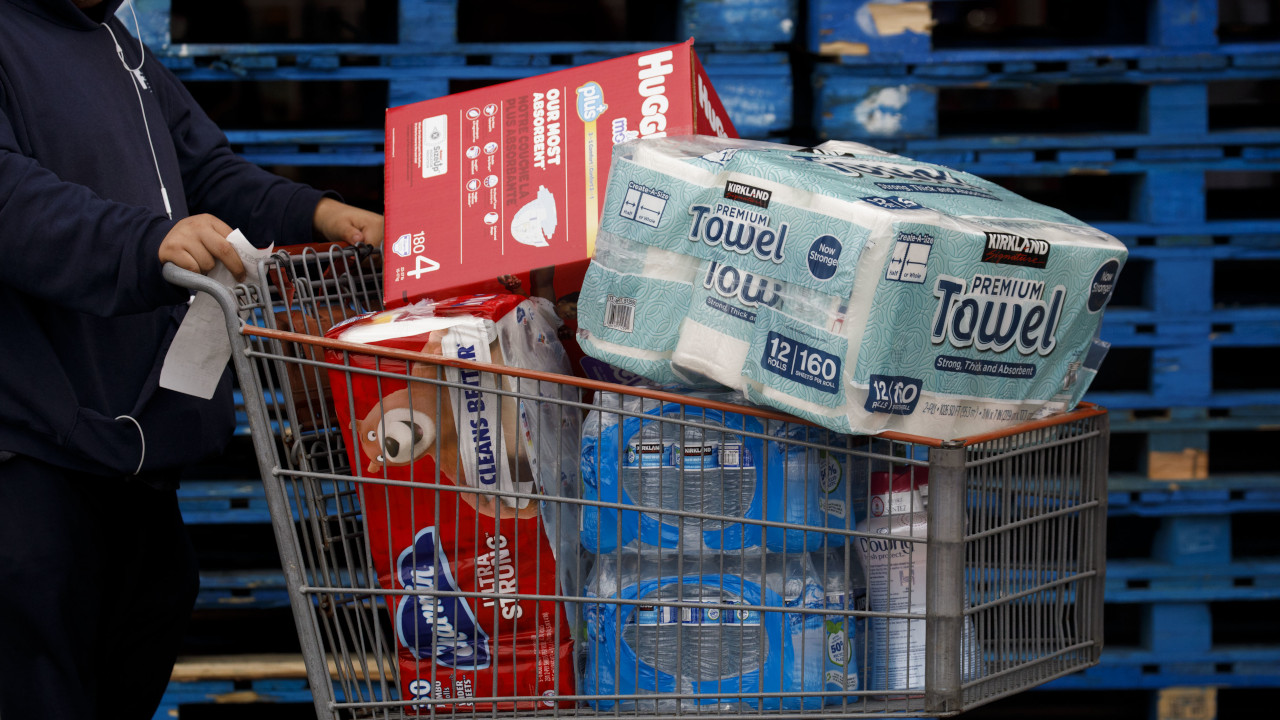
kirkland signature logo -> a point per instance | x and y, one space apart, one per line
1010 249
747 194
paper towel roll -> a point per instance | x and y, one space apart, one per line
670 195
720 322
635 299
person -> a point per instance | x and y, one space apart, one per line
558 311
108 170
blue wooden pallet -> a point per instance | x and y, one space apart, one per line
231 694
756 87
234 693
993 111
223 502
261 588
1138 581
1133 496
237 502
753 81
1132 668
1187 614
1195 557
737 22
876 32
1066 156
435 23
1190 365
1229 445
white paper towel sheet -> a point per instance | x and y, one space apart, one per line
201 347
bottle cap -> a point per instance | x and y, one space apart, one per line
896 494
910 478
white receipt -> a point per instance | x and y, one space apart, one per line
201 347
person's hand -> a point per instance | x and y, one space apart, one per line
339 222
510 282
197 243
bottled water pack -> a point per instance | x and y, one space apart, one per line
701 646
678 457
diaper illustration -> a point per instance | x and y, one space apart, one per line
535 223
403 244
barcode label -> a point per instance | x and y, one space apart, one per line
620 313
731 455
736 455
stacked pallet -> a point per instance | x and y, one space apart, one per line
1157 121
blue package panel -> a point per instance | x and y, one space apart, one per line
1168 121
870 110
429 22
758 98
1183 23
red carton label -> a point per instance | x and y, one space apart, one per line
485 186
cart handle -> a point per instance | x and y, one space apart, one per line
202 283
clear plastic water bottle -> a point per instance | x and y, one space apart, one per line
717 643
695 644
838 631
668 466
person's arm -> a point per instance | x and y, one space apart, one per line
543 282
62 243
266 207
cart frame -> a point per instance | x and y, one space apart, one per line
1063 456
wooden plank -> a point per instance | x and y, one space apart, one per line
254 667
1187 703
1186 464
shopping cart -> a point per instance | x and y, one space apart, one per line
707 558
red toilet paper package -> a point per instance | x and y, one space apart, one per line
480 526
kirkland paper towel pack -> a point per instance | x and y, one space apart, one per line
858 289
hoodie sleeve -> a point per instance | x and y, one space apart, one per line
62 243
266 207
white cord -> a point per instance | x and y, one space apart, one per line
136 72
144 440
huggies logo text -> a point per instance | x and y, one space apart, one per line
654 69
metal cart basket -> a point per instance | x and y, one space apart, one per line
708 558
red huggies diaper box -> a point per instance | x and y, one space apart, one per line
471 521
500 189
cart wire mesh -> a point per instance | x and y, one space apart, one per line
761 566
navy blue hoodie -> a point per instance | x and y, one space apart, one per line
85 315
